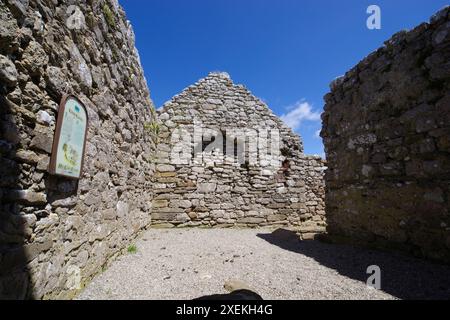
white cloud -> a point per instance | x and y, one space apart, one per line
299 112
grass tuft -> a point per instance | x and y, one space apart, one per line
109 16
132 249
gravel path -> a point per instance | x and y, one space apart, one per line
189 263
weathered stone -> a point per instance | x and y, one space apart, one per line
27 197
308 236
122 209
276 217
8 30
8 72
276 206
206 187
165 168
193 215
68 228
240 189
43 140
166 174
216 214
23 112
168 216
312 229
214 101
65 203
27 156
43 162
44 118
181 204
32 250
34 57
18 7
56 82
92 199
223 188
387 174
251 220
79 67
160 203
109 214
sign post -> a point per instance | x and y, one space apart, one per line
69 143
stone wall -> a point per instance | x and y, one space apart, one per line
387 138
54 232
201 184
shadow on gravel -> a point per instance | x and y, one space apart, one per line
401 276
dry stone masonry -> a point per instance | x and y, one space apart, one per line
208 173
213 156
55 234
387 138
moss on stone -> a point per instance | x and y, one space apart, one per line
109 16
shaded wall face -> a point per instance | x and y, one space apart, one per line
252 173
56 233
387 138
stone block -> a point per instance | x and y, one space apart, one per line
276 205
160 203
165 215
217 214
312 229
276 217
109 214
122 209
180 204
27 197
165 168
251 220
8 71
206 187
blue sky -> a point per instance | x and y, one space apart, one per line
285 51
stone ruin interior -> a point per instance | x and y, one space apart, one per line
386 127
205 188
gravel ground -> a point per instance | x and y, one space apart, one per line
190 263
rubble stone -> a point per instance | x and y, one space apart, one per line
387 145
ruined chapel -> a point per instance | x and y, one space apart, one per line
213 156
224 159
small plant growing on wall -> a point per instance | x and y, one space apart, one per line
109 16
153 111
153 128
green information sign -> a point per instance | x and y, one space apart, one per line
70 139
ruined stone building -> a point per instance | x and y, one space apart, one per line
224 159
386 129
213 156
55 233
